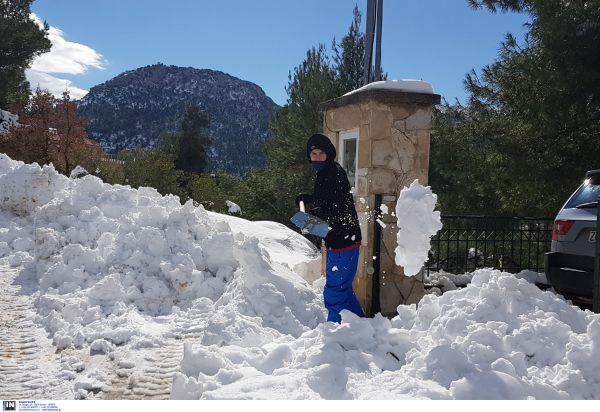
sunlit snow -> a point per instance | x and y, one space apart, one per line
121 282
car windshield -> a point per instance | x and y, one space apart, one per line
586 194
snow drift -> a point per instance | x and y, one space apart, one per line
106 254
122 271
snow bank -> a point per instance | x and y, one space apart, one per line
122 267
405 85
500 337
107 257
417 222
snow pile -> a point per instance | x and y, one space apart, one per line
498 338
233 207
124 271
417 222
107 257
405 85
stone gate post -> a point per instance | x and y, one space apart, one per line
381 133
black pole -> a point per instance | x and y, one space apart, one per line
375 303
378 41
596 292
370 32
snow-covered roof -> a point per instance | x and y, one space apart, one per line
404 85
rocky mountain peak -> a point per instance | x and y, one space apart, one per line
133 108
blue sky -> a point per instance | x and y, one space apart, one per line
438 41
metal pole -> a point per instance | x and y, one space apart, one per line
596 292
378 41
376 303
370 31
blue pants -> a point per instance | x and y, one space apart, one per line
338 293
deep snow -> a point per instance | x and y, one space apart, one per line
120 274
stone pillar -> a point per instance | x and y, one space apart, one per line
393 151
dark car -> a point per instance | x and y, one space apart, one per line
570 264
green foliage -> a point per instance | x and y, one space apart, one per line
21 39
152 168
191 139
214 190
188 144
532 124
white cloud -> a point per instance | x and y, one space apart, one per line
53 84
64 57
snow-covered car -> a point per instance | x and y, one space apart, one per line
569 265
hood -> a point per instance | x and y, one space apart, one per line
322 142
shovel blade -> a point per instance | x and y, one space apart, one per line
310 224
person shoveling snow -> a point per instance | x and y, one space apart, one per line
333 203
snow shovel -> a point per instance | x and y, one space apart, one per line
309 223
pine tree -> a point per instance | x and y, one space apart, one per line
21 39
189 142
532 119
349 56
193 140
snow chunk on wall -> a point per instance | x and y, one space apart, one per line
417 222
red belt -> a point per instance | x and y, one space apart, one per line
346 248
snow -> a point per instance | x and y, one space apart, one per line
127 281
417 222
404 85
7 120
232 207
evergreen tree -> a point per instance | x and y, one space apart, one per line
21 39
349 56
532 124
193 140
189 143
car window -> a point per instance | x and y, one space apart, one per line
587 193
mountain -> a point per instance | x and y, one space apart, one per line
133 108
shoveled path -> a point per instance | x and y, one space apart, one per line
29 363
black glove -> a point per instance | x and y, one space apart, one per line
317 212
304 197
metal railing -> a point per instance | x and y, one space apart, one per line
512 244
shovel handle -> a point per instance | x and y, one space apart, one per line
301 204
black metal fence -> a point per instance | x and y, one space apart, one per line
512 244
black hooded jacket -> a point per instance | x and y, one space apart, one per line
332 199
